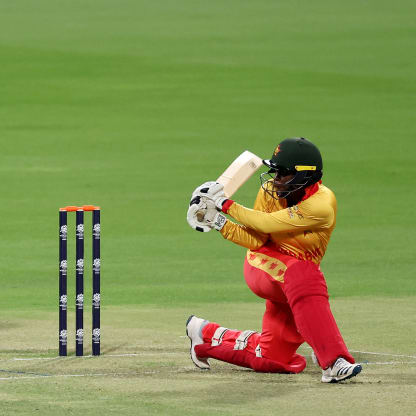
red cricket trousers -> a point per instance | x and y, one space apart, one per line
297 311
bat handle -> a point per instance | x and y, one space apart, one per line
200 216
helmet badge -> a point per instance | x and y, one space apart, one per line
277 150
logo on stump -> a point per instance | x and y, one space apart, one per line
96 335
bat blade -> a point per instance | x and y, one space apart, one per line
236 175
239 172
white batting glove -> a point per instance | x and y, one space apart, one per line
203 216
212 217
213 191
196 215
197 191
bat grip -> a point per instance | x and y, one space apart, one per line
200 216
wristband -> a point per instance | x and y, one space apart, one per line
226 205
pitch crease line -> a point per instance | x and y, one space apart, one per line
46 376
374 353
385 354
91 356
89 375
147 353
67 375
387 362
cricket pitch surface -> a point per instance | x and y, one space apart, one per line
145 368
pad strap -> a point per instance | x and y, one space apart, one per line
218 335
241 341
258 351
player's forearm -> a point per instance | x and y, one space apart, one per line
268 223
243 236
259 221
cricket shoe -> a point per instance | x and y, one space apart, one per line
194 327
340 370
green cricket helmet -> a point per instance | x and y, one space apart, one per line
294 156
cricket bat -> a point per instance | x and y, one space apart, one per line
237 174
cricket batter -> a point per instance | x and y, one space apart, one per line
286 234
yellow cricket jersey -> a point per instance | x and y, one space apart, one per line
301 231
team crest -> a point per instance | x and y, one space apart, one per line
277 150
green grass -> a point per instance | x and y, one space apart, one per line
132 104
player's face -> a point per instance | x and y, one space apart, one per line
277 182
280 181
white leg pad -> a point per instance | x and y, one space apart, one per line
218 334
241 341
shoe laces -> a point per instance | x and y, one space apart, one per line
341 366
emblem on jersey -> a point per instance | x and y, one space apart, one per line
292 211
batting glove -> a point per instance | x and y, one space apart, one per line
213 217
203 216
213 191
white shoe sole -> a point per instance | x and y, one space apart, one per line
195 339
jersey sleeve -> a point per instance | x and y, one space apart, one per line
243 235
309 214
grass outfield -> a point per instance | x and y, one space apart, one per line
132 104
